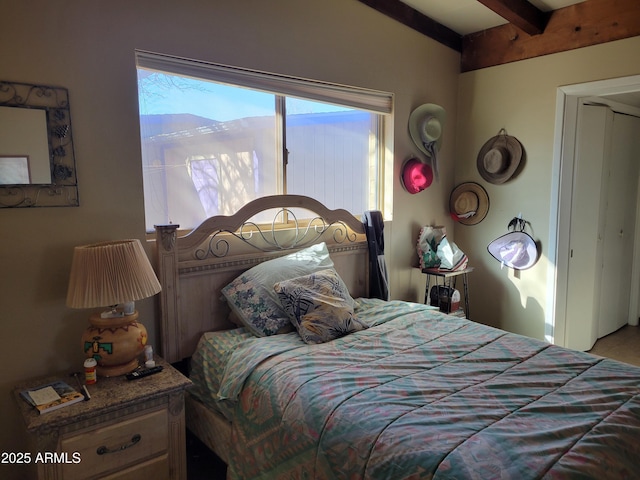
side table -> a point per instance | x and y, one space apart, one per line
448 278
128 429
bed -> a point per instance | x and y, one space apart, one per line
366 388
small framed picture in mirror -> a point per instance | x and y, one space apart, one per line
14 170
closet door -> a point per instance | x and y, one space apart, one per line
585 256
620 183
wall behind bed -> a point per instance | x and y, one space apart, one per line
88 47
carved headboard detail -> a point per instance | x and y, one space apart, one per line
193 268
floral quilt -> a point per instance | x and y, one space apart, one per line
421 394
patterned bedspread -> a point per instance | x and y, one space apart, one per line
424 395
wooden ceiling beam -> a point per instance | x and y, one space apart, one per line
520 13
416 20
580 25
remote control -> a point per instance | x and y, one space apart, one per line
144 372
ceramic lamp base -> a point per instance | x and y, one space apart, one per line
115 343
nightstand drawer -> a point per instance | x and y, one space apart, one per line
155 469
117 444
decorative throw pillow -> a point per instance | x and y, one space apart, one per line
252 298
319 306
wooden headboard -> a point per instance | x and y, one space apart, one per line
193 268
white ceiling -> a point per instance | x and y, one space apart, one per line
469 16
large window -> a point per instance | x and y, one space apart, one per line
214 138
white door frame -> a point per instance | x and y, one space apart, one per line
567 101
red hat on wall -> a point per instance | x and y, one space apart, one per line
416 175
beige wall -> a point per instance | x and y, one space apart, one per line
88 47
521 97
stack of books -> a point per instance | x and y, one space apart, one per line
52 396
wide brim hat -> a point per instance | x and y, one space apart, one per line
499 158
426 125
516 250
469 203
416 175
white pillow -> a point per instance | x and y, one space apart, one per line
251 295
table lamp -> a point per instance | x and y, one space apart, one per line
113 275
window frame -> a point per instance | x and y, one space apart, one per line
375 101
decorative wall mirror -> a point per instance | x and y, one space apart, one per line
37 163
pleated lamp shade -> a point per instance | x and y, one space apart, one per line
105 275
110 273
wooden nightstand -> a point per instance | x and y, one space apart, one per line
129 429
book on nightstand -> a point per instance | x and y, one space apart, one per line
51 396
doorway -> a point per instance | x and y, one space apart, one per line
560 322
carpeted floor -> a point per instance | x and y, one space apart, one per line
622 345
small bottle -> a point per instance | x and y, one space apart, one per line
90 376
148 357
148 353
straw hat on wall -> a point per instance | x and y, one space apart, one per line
469 203
499 158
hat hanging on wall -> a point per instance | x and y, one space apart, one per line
516 249
416 175
469 203
499 158
426 125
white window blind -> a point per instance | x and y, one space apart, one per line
355 97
